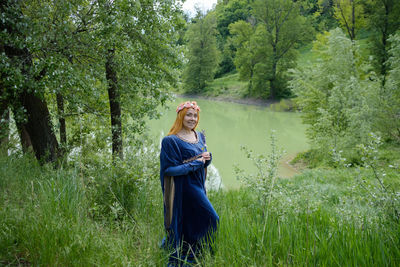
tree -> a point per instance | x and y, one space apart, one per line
388 118
4 123
320 13
337 95
202 54
115 105
226 14
382 21
137 39
21 79
350 14
251 57
242 33
4 113
279 29
68 44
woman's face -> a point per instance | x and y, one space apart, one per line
190 119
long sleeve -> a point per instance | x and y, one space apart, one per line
171 159
183 169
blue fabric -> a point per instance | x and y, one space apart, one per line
194 218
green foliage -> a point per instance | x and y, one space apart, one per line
69 42
228 13
249 53
68 217
319 13
311 158
389 100
263 182
382 21
325 16
382 194
251 57
119 194
202 55
350 14
284 105
266 48
337 94
312 218
80 215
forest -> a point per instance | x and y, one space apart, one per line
80 80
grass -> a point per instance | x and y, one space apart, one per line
318 218
46 218
306 55
84 217
228 86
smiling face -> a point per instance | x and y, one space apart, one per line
190 119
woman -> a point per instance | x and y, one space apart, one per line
189 217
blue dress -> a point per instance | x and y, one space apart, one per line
189 217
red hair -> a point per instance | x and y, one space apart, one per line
177 126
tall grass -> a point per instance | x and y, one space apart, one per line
319 218
316 219
47 218
101 215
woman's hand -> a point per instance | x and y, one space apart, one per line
202 159
206 155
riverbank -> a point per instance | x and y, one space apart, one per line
229 88
244 101
283 105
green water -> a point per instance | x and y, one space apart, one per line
229 125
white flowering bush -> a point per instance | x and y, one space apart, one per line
380 193
262 183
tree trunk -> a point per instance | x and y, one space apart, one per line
4 110
37 126
251 89
353 20
272 80
385 36
24 137
4 124
115 108
61 120
37 131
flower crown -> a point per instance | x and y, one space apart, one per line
188 104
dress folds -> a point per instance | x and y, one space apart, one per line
189 217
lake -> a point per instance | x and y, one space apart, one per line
228 126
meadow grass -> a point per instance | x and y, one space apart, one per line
106 216
319 218
306 55
48 217
228 86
